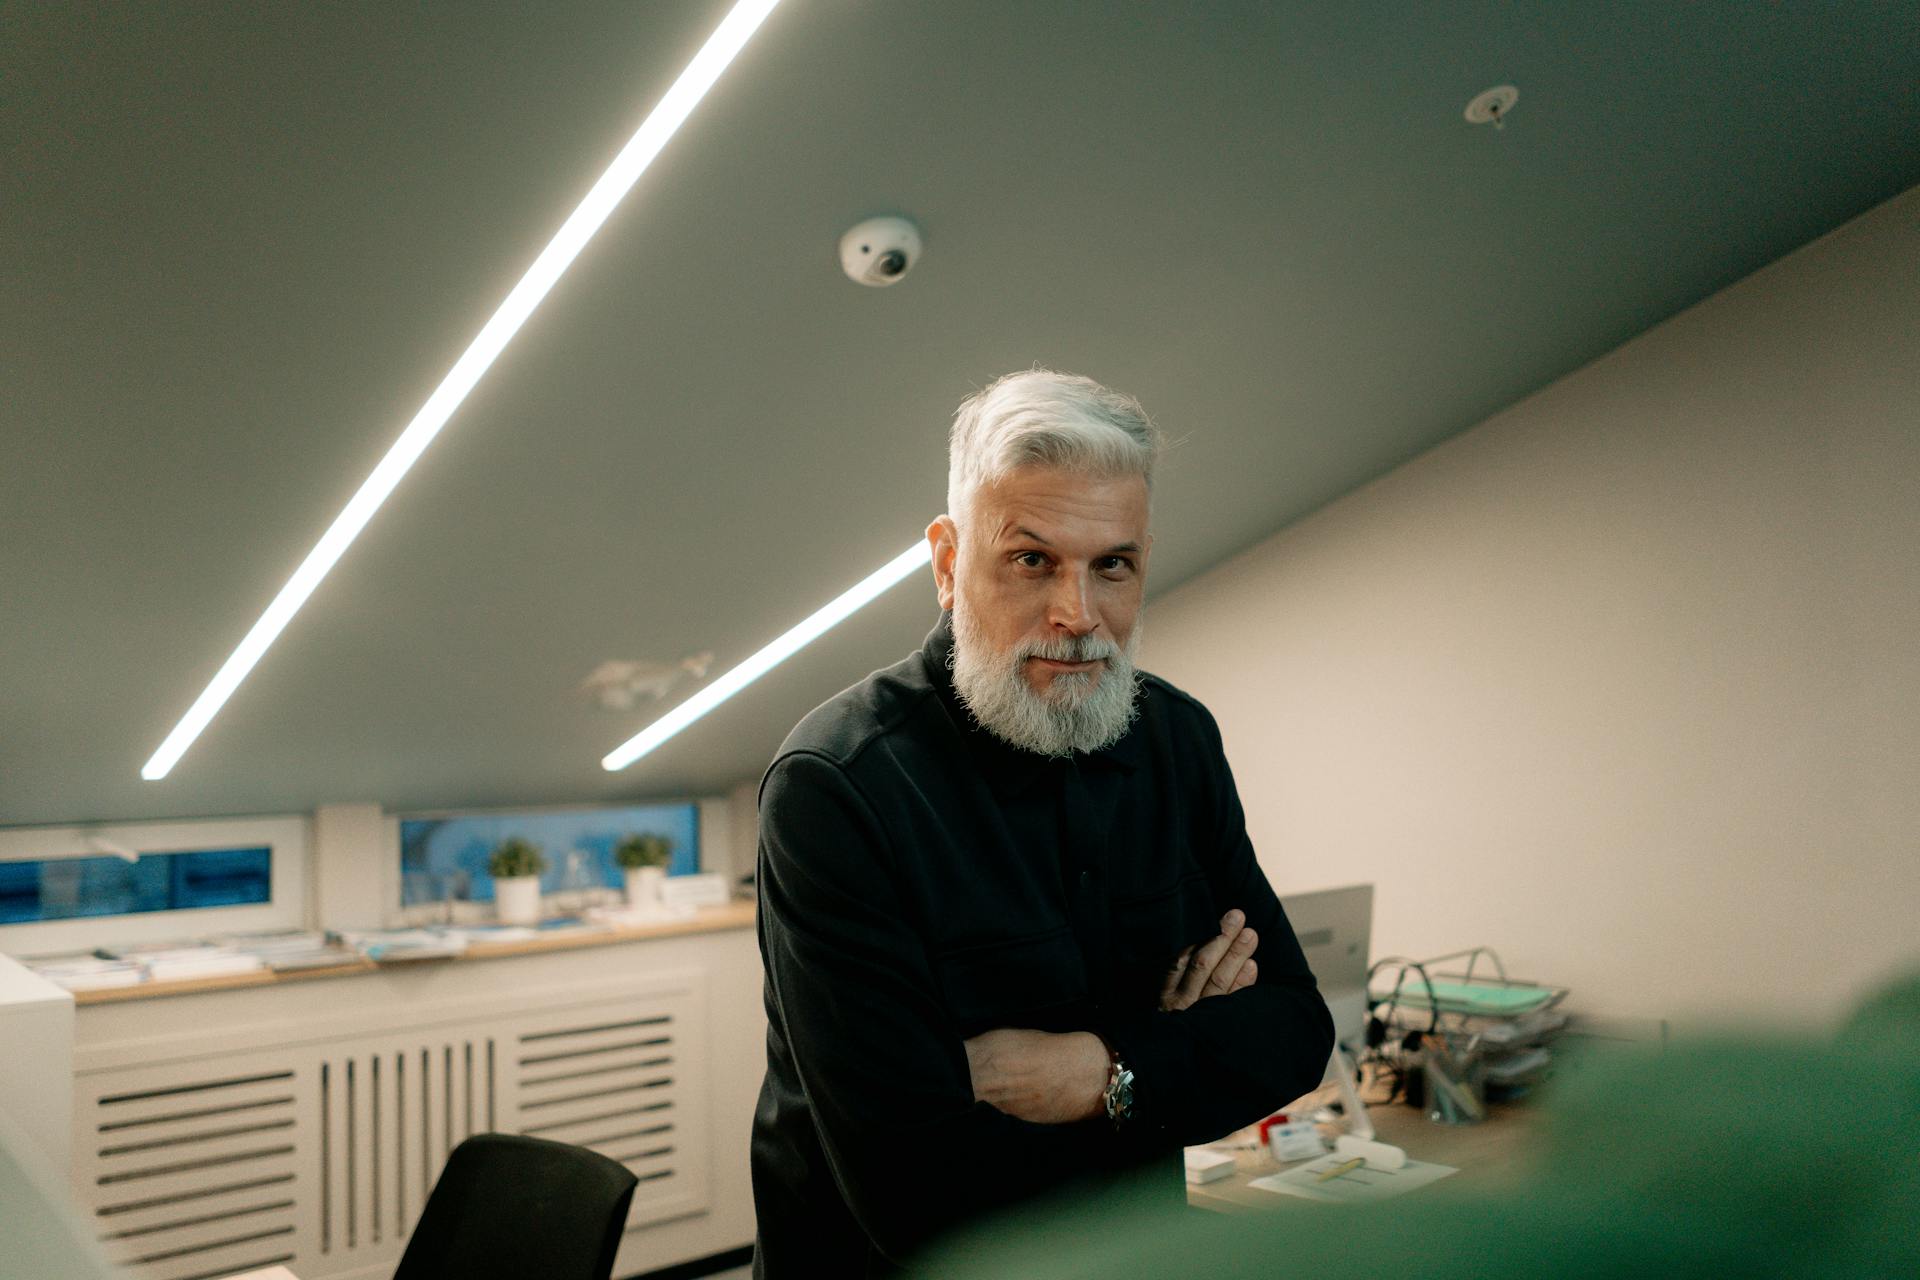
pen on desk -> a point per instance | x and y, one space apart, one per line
1339 1169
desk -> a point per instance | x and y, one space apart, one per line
1498 1151
732 915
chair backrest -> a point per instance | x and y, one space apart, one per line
509 1208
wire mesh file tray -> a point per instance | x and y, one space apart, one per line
1458 1026
1423 986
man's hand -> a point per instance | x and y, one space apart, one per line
1221 965
1039 1075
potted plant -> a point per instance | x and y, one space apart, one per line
515 867
644 858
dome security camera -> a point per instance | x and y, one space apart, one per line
880 251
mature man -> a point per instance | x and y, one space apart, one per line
1008 906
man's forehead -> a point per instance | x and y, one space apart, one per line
1044 503
1104 538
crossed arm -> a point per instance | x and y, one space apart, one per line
1061 1077
875 1052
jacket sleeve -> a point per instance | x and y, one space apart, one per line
1230 1060
882 1066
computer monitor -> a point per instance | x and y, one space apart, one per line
1335 929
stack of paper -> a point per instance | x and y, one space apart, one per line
388 945
87 972
290 949
181 962
198 962
497 933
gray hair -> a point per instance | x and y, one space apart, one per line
1047 419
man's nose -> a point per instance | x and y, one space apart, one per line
1072 604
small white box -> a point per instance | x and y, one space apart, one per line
708 890
1295 1140
1208 1166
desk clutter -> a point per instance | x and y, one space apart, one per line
1448 1041
280 951
1452 1041
1347 1170
294 951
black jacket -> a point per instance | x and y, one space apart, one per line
921 882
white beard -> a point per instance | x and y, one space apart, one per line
1081 710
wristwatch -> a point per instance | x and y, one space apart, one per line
1119 1095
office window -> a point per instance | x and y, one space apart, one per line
445 855
66 888
77 887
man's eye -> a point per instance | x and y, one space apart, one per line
1116 564
1030 559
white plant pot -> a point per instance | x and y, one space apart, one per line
516 899
643 886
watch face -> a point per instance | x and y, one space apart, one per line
1120 1095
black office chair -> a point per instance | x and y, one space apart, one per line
514 1208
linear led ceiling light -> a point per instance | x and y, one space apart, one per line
660 125
818 624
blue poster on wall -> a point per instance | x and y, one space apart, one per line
438 853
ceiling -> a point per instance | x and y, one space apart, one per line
244 242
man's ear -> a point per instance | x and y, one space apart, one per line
944 537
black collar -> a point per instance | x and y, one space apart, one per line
1010 769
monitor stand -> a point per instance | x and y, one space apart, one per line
1342 1073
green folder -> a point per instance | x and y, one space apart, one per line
1473 997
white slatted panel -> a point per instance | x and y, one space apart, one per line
624 1078
321 1156
392 1114
199 1169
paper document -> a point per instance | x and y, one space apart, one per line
184 967
1355 1186
384 945
88 972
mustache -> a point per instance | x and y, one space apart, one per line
1067 649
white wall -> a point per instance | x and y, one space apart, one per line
744 833
1625 681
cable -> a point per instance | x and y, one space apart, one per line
1405 1079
